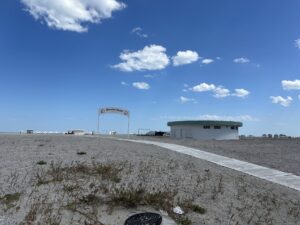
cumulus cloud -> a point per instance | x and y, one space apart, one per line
220 91
72 15
241 93
185 57
141 85
154 57
184 100
241 60
291 84
151 57
139 32
124 83
207 61
203 87
297 43
281 100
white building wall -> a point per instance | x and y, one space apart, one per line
198 132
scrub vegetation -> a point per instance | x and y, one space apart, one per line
9 200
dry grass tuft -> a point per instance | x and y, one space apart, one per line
9 200
184 221
81 153
41 163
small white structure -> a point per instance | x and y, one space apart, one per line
205 129
112 132
76 132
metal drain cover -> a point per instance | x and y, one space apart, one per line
144 219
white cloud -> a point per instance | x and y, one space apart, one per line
185 57
141 85
151 57
241 60
219 58
291 84
124 83
203 87
221 92
241 93
297 43
139 32
282 101
185 88
183 100
72 15
207 61
149 76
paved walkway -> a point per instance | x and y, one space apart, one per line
275 176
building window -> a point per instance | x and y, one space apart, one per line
206 127
217 127
232 128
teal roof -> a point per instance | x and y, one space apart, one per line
206 123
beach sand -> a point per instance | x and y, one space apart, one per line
43 180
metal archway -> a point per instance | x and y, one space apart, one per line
113 110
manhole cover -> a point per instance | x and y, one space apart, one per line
144 219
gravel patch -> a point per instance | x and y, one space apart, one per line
114 179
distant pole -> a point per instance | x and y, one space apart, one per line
128 126
98 122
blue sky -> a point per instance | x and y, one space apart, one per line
167 60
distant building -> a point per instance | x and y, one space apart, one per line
113 133
205 129
76 132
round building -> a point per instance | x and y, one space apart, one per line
205 129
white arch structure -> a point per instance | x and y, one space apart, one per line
113 110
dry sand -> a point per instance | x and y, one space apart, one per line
78 196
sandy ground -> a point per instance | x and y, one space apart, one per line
283 155
228 197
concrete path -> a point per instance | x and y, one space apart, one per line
286 179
